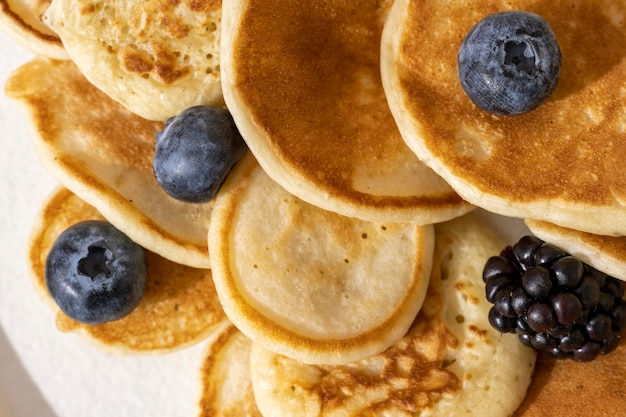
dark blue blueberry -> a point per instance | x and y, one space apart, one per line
95 273
195 152
509 63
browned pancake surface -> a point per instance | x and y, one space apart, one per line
103 153
311 76
569 151
577 389
21 19
179 306
225 377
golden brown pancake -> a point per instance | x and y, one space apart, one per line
577 389
302 81
21 20
309 283
179 307
155 57
559 163
225 377
605 253
103 153
451 362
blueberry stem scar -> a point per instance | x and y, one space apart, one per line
95 263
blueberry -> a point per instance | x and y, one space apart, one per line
195 151
509 63
95 273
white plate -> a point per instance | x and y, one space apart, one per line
44 373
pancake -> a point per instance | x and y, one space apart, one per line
155 57
179 307
558 163
225 375
21 21
307 98
103 153
451 362
576 389
605 253
309 283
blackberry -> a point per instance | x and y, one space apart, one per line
553 301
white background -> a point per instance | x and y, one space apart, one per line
44 373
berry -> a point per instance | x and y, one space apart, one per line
553 301
536 282
95 273
509 62
195 152
567 307
540 318
568 271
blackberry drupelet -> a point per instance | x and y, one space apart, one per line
553 301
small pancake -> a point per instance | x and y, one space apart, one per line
302 81
558 163
605 253
179 307
577 389
21 21
225 375
155 57
451 362
309 283
103 153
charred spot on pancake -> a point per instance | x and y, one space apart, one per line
137 61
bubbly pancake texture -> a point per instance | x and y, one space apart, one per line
180 306
302 80
225 375
21 20
156 57
103 153
309 283
450 363
558 163
577 389
605 253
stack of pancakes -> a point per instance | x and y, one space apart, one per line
338 271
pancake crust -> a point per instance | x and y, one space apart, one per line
21 20
451 362
309 283
308 99
179 307
605 253
103 153
155 57
225 375
577 389
558 163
